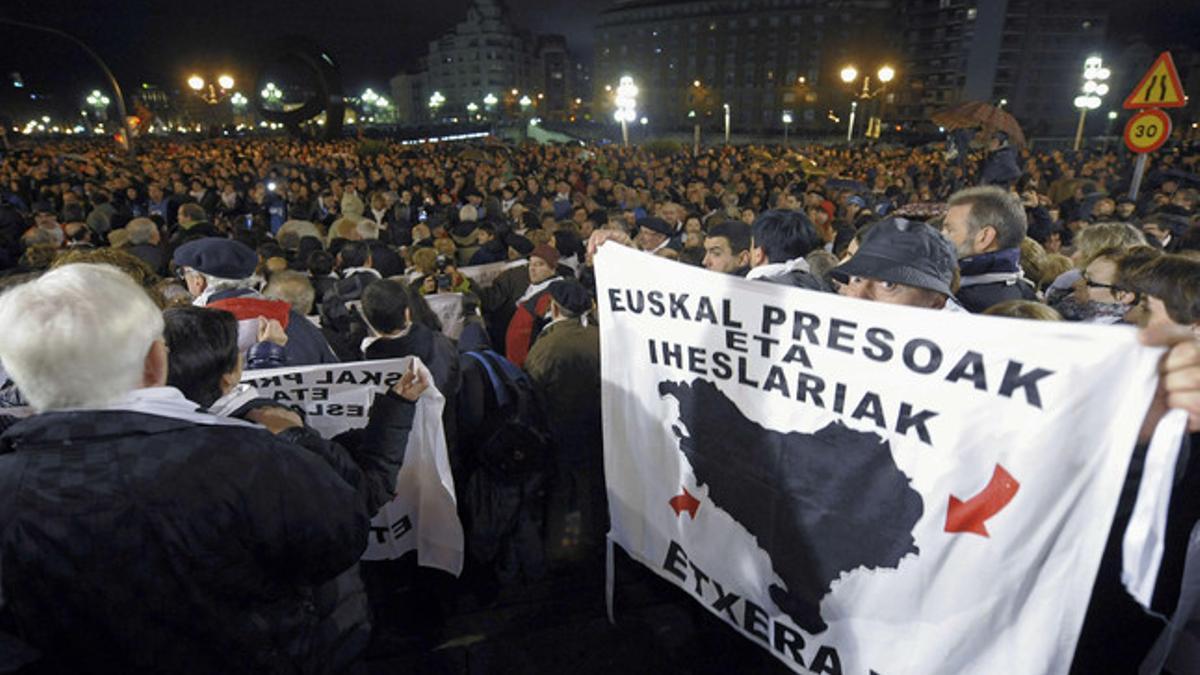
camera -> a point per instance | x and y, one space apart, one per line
444 280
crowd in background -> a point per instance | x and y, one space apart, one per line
268 253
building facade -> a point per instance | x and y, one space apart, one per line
486 54
1026 54
759 57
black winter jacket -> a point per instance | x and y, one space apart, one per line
136 543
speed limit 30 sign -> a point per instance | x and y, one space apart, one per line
1147 131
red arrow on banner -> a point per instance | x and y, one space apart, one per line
684 502
969 516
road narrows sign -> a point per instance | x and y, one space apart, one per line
1159 87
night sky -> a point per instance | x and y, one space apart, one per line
162 41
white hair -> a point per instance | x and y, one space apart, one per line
77 337
141 230
368 229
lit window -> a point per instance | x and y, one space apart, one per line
971 14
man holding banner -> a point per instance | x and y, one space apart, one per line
850 488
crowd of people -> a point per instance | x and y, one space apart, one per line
134 292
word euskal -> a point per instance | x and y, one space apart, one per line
786 338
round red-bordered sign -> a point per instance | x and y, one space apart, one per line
1147 131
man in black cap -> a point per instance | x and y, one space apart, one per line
654 234
220 273
564 365
902 262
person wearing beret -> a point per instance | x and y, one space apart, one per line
220 273
655 234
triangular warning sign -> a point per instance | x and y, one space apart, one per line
1159 88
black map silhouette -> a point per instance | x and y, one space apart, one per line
819 504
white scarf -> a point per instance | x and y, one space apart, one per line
772 270
537 288
168 402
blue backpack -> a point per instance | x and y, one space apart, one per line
513 439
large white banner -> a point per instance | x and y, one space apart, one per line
860 487
337 398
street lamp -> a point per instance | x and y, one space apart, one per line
1094 87
472 108
99 101
726 106
271 93
849 74
211 92
627 93
787 122
435 102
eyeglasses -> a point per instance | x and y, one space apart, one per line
1096 284
1114 289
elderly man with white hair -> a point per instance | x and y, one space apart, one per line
220 273
145 242
140 534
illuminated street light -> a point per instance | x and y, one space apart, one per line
849 75
787 122
435 102
225 81
490 100
195 82
626 101
271 93
525 102
1094 87
369 96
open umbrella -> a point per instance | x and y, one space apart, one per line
973 114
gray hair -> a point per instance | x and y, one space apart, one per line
141 230
55 325
293 288
368 229
1099 236
995 208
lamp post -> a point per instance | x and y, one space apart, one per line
489 103
787 122
726 123
627 93
1094 87
849 74
99 102
271 94
212 92
435 102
